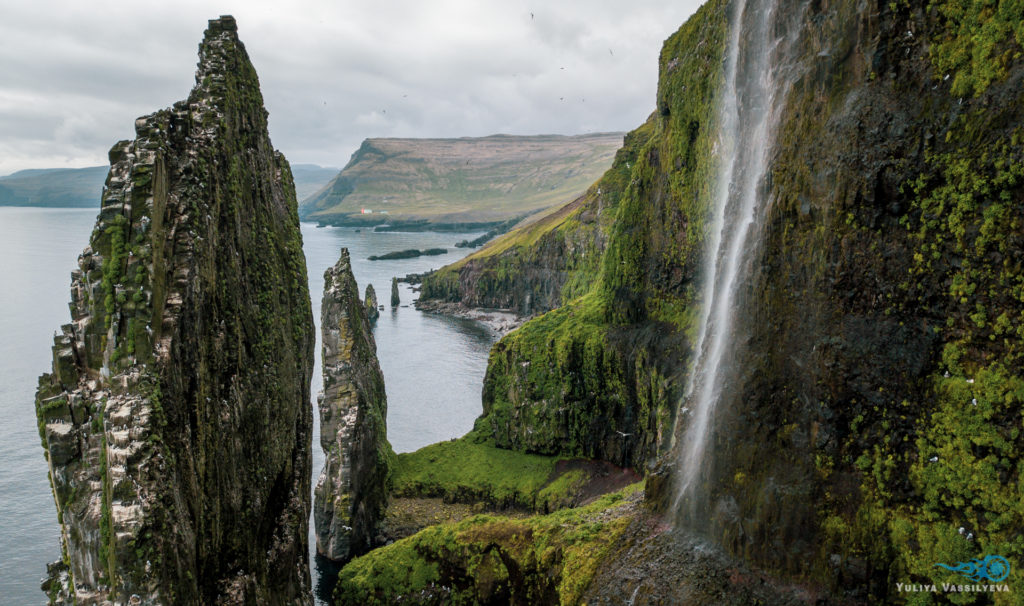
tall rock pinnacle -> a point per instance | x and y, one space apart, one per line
176 420
352 491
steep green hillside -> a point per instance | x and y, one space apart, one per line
469 181
550 259
597 376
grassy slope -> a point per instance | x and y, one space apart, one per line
551 258
463 180
493 559
469 470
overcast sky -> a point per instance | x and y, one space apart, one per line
74 75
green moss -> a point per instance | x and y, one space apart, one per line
492 559
964 470
562 385
113 263
976 42
965 224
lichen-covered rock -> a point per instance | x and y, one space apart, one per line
351 494
176 420
370 301
395 300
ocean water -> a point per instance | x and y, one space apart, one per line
433 366
39 248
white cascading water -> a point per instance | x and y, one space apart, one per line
748 114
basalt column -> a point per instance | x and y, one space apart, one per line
176 420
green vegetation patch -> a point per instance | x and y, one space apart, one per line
493 559
968 231
977 41
963 500
468 470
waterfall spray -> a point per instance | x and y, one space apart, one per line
750 103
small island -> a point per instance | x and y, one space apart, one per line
410 253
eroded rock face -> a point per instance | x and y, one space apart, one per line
370 300
351 494
176 420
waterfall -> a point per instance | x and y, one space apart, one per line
749 107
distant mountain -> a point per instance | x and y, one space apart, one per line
467 181
81 187
310 178
54 187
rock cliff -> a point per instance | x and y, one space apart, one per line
871 429
352 492
176 421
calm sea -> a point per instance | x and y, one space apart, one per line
433 366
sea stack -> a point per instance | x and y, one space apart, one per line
352 492
176 420
394 293
370 301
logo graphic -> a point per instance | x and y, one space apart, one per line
994 568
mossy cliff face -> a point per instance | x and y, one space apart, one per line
595 377
352 492
176 420
891 255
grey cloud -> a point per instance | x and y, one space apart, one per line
332 73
